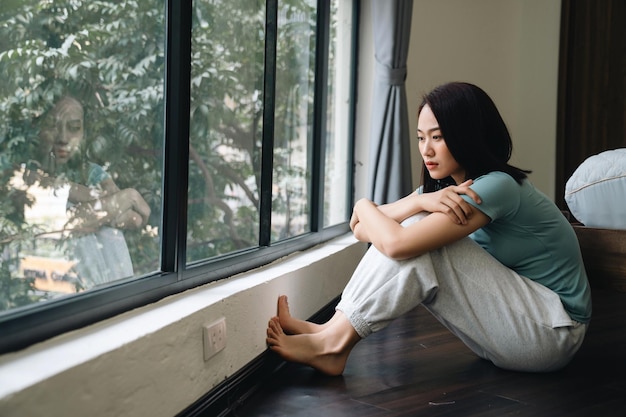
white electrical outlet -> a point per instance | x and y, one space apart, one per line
214 338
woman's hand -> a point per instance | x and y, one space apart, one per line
449 202
125 209
354 220
359 231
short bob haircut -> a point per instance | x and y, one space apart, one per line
473 130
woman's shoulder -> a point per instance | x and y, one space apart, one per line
97 174
497 177
499 192
497 181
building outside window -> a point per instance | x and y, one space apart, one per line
147 147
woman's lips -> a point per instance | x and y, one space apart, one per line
61 152
431 165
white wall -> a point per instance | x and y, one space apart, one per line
509 48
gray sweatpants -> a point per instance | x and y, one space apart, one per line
508 319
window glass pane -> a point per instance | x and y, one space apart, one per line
293 118
81 110
228 41
337 161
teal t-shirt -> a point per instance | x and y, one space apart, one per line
530 235
96 175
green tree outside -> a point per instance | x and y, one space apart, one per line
110 55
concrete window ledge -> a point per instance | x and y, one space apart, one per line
150 361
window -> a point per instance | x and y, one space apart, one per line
148 147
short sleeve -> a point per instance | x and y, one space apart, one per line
499 193
97 174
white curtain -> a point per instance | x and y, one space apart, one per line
390 160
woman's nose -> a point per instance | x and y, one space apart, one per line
62 137
427 149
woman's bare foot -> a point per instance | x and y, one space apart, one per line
290 324
327 350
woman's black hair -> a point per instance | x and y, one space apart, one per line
473 130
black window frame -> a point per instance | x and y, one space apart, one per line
25 326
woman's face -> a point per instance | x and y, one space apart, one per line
435 153
62 131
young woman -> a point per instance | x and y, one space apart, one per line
62 138
98 210
490 256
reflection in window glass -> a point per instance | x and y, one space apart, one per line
81 107
228 41
293 130
337 161
82 137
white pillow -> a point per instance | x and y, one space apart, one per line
596 191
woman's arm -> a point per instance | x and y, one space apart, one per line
78 193
124 209
447 201
398 242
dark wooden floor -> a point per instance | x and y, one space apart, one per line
417 367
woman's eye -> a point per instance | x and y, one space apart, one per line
74 126
437 137
420 138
